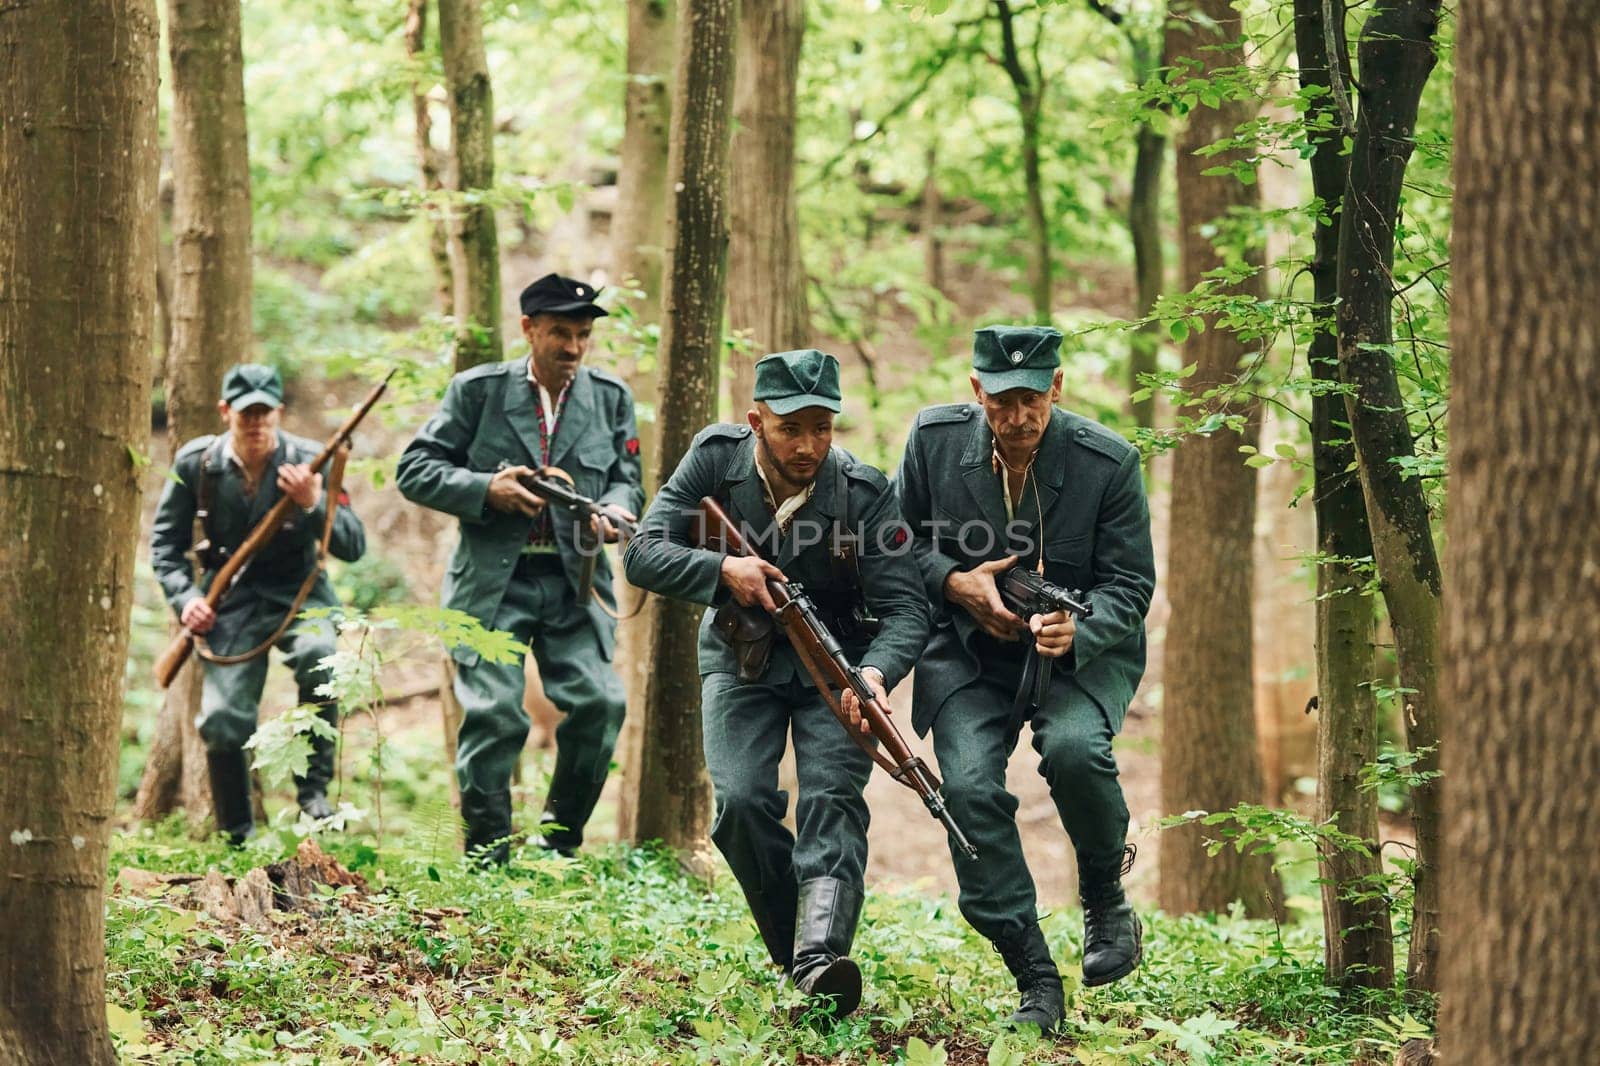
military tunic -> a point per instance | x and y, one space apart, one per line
265 588
747 724
1095 537
490 416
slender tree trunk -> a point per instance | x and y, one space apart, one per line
78 173
766 279
932 225
639 244
474 244
210 316
429 164
1030 92
1358 947
675 791
1522 637
1396 55
1144 225
1209 758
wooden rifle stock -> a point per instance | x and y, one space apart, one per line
182 646
829 667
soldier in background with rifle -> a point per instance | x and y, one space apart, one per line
819 517
989 487
530 569
229 484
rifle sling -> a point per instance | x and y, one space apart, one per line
335 483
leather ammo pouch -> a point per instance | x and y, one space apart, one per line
749 631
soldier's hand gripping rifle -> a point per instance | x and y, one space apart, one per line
178 652
1026 593
830 668
556 488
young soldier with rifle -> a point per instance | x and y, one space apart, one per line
257 495
821 518
530 569
1012 502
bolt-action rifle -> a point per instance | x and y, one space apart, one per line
178 652
831 669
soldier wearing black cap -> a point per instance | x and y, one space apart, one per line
1012 479
228 483
518 567
779 477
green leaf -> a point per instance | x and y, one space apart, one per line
1286 450
1259 461
127 1026
1180 331
918 1053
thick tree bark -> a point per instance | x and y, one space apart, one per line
78 173
429 164
766 279
1209 759
1029 87
1521 902
209 309
638 249
675 805
1358 946
1396 56
474 244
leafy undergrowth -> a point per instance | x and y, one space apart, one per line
618 958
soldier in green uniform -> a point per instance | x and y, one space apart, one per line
1012 479
229 482
519 566
822 518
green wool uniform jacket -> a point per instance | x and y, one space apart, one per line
489 416
1096 538
267 585
721 463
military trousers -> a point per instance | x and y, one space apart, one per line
973 738
540 608
746 729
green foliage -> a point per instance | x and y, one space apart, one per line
441 964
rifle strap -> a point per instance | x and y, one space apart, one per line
334 485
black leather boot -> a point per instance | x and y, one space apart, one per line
1113 939
1028 958
311 791
825 927
488 821
230 795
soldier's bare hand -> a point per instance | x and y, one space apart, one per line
605 524
197 616
296 481
852 706
975 591
507 495
746 577
1053 633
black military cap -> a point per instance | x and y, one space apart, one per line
556 295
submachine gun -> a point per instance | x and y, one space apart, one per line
1025 593
830 669
556 488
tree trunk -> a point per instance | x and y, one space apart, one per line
1144 225
1358 947
766 279
1396 56
474 245
1522 637
639 244
78 173
675 805
1030 91
210 317
932 225
428 161
1209 755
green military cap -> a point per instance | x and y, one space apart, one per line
789 381
251 383
1016 357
